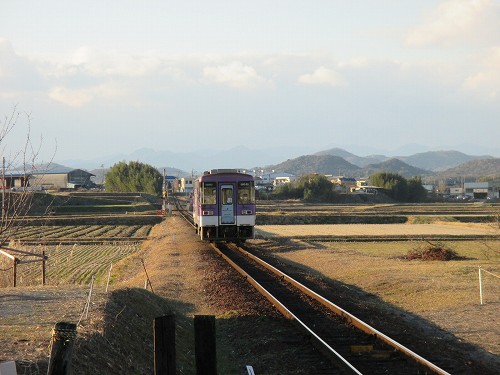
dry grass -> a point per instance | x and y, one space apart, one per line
442 292
375 229
66 264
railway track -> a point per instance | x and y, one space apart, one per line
353 346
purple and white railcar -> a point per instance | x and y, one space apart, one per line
224 205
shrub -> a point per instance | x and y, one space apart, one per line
430 251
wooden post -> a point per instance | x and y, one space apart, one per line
63 339
14 272
204 345
43 267
164 345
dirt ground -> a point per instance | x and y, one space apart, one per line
185 279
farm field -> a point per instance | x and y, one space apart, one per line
439 296
77 233
477 208
69 264
452 229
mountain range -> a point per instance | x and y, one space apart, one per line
334 161
431 160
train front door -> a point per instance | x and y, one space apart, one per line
227 204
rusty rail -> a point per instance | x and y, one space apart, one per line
358 323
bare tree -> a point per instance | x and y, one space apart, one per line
18 166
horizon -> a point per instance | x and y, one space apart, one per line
95 79
148 155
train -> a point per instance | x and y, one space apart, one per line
224 205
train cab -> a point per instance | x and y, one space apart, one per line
224 205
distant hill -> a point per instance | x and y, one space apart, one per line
430 161
331 161
475 168
324 164
360 161
439 160
392 166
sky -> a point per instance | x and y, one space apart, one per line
96 78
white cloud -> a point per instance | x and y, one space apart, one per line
97 63
487 82
81 97
17 73
322 76
451 20
235 75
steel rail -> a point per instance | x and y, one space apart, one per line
353 320
358 323
183 212
327 349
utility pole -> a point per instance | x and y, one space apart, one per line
3 190
164 207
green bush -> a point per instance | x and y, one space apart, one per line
134 177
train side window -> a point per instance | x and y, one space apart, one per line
209 193
246 193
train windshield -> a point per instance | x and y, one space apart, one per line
209 193
246 192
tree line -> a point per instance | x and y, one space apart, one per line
139 177
316 187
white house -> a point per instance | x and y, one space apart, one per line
186 185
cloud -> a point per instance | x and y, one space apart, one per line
454 19
98 63
18 74
486 82
235 75
81 97
322 76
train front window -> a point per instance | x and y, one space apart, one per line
227 195
209 193
246 192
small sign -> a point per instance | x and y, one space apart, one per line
8 368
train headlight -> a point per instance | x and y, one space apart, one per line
246 212
208 213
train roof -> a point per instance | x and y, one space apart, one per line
219 171
225 175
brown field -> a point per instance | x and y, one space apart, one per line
453 229
445 293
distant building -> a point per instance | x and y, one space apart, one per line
344 184
269 180
186 185
455 191
14 180
482 190
361 183
61 178
430 188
